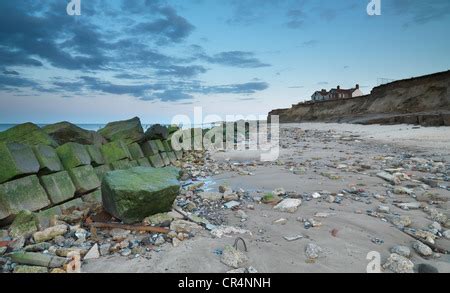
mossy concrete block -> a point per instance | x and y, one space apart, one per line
16 160
156 161
73 155
101 171
134 194
93 197
46 217
134 163
48 158
84 179
23 194
135 151
121 165
27 133
73 204
24 224
38 259
128 130
167 145
144 162
160 145
172 157
95 154
150 148
64 132
165 159
115 151
59 186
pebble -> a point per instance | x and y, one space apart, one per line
233 257
399 264
281 221
446 234
422 249
383 209
289 205
401 250
312 251
232 204
293 238
119 234
93 253
427 269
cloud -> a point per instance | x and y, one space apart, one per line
182 71
296 87
310 43
322 83
235 59
420 12
296 18
10 72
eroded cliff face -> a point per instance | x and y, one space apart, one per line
423 100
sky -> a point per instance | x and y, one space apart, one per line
156 59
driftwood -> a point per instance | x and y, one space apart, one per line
129 227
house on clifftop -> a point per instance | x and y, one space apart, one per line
336 94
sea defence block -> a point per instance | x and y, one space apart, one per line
23 194
27 133
128 130
150 148
95 154
135 151
59 186
73 155
160 145
172 157
156 161
167 145
101 171
144 162
115 151
84 179
45 217
93 197
48 158
16 160
121 165
165 159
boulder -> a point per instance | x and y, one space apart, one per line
100 171
64 132
84 179
59 186
73 155
128 130
95 154
22 194
156 161
157 131
115 151
150 148
135 151
134 194
48 158
16 160
27 133
24 225
165 159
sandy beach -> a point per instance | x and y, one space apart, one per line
337 161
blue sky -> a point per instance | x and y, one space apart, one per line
156 59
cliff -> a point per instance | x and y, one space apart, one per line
421 100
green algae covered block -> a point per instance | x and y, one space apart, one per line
165 159
84 179
156 161
121 165
115 151
135 151
73 155
16 160
101 171
95 154
59 186
172 157
27 133
144 162
48 158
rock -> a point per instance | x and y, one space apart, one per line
232 204
233 257
93 197
119 234
323 215
59 186
161 220
435 226
30 270
331 199
281 221
446 234
100 171
27 133
401 221
270 198
316 195
427 269
38 259
57 271
144 162
157 131
221 231
182 226
64 132
160 241
293 238
73 155
135 151
134 194
84 179
2 251
122 165
399 264
383 209
48 158
156 161
289 205
150 148
388 177
401 250
93 253
241 214
48 217
438 216
211 196
22 194
115 151
312 251
176 242
17 160
17 244
403 190
225 189
96 155
38 247
165 159
50 233
230 197
25 224
422 249
104 249
279 192
127 130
